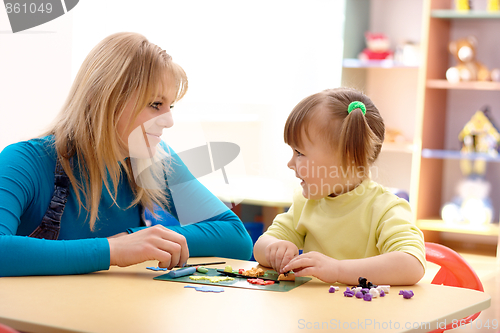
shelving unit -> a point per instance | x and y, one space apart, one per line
428 164
442 107
390 84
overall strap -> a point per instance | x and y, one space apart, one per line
51 222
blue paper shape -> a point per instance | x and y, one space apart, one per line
157 268
207 289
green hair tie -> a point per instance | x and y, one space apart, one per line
356 105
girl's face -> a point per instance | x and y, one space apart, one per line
319 168
143 135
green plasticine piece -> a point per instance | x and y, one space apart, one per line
202 269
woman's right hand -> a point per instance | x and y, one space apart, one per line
153 243
279 253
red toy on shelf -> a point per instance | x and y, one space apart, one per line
377 47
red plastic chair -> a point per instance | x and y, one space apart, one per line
455 272
7 329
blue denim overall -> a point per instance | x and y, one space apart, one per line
51 222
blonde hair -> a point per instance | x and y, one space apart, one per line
356 137
86 137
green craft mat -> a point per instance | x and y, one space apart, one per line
239 282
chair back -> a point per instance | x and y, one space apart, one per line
7 329
454 271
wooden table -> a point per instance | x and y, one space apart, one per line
129 300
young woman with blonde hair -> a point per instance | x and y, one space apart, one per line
72 201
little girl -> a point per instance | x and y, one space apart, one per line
347 225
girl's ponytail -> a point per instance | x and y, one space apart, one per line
359 145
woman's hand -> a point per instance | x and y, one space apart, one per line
279 253
153 243
315 264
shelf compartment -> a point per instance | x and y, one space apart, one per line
472 14
457 155
491 229
406 147
386 63
471 85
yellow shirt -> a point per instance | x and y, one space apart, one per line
364 222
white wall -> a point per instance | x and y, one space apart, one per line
248 64
35 75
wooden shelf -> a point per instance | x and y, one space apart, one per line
406 147
457 155
473 14
440 225
356 63
472 85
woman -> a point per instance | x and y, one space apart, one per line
72 201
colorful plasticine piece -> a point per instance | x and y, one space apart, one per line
374 292
348 292
333 289
385 288
364 284
202 269
260 282
286 277
406 293
253 272
181 272
367 297
212 279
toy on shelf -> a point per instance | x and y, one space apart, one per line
408 53
495 74
479 135
377 47
473 205
394 135
463 5
493 5
467 68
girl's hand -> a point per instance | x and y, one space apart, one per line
279 253
315 264
153 243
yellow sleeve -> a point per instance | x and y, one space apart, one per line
397 232
284 225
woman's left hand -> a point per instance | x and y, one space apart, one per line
315 264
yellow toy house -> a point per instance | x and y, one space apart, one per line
479 135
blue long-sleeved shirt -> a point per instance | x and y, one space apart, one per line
26 188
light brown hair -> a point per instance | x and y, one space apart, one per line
356 137
121 65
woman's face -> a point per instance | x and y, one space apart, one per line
143 135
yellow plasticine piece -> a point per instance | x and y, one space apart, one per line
213 279
228 269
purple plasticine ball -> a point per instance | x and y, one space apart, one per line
367 297
365 290
331 290
382 293
359 294
348 294
408 294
